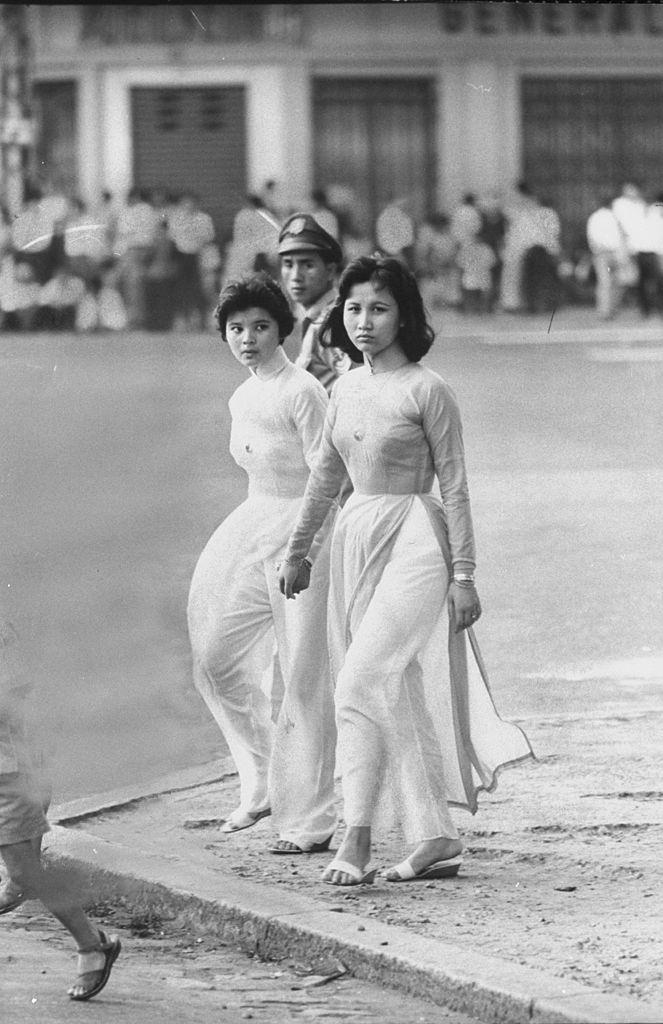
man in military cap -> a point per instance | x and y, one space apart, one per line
310 260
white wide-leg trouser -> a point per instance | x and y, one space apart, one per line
511 295
607 287
286 763
386 738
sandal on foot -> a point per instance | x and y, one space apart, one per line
10 899
365 877
92 982
240 820
284 846
440 869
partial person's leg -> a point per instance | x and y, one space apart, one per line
651 274
422 808
200 299
54 888
131 288
303 756
227 619
25 869
11 893
496 278
604 284
643 285
510 289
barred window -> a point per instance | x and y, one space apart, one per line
211 110
168 110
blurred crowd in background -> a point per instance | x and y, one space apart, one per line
152 261
149 263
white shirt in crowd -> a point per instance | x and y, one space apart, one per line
631 214
190 230
62 290
546 228
84 237
394 230
32 229
603 231
136 227
327 219
465 222
475 259
655 227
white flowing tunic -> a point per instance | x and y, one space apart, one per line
395 432
284 752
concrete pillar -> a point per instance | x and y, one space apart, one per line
279 132
478 135
299 141
510 142
16 129
264 127
91 128
450 140
117 159
482 103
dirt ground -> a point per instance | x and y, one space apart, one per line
168 975
562 871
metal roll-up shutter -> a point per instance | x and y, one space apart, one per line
56 148
193 138
584 137
375 136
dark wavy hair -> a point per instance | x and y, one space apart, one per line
259 291
415 335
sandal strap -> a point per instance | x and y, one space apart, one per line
103 944
346 868
13 894
404 870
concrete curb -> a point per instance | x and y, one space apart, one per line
262 919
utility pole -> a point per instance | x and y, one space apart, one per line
17 132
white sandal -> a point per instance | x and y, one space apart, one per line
239 820
10 898
365 877
440 869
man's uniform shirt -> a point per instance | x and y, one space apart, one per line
327 364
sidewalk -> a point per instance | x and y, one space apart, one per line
555 916
567 325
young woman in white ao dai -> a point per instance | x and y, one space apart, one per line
284 746
417 731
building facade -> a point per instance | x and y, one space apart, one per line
388 100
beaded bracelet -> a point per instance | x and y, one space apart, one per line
298 562
463 579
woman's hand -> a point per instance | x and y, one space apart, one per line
294 578
465 606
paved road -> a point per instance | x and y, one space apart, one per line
177 980
115 471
